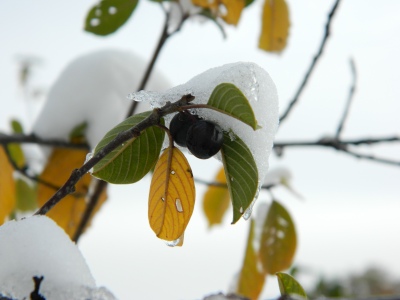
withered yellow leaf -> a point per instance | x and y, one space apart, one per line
7 187
172 195
251 277
69 211
216 200
275 26
231 12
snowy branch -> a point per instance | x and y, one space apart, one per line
313 64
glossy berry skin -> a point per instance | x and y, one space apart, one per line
204 139
179 126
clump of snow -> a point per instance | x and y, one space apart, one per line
93 89
256 85
36 246
278 176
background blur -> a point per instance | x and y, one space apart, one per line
348 219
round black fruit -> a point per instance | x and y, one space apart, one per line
179 126
204 139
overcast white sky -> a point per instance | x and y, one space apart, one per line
349 217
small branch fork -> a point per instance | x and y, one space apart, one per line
151 120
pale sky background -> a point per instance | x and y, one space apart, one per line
348 219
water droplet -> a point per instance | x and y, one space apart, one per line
232 180
97 12
178 205
162 199
173 243
280 234
173 172
95 22
241 209
112 10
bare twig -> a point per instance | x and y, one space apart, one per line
77 174
33 139
342 145
349 99
313 63
223 185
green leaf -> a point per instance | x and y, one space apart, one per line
241 174
132 160
16 126
289 286
278 240
26 195
109 15
78 131
228 98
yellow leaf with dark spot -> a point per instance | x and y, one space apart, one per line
251 277
7 186
216 200
275 26
172 195
69 211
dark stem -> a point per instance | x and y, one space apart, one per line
313 64
349 99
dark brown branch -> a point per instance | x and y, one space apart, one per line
349 99
342 145
313 63
33 139
77 174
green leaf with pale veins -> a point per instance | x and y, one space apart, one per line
289 286
131 161
278 240
109 15
241 174
228 98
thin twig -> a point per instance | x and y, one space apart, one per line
342 145
224 185
33 139
349 99
313 63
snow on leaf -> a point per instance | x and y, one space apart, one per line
7 187
241 174
275 26
68 212
172 195
131 161
251 278
227 97
278 240
108 15
289 286
216 200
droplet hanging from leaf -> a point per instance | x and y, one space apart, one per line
172 195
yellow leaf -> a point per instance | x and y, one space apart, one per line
275 26
7 187
69 211
216 200
172 195
230 12
251 277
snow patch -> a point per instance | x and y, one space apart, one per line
36 246
93 89
256 85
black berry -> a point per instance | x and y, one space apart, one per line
179 126
204 139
